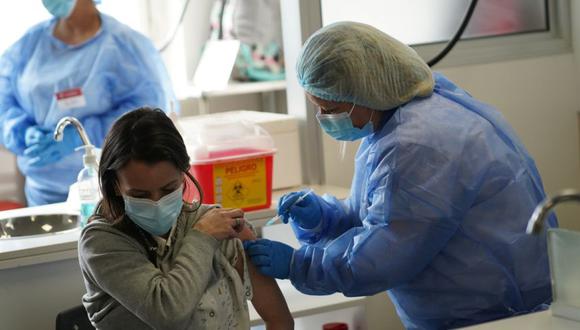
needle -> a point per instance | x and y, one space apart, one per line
279 217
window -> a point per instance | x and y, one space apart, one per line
427 21
499 29
16 17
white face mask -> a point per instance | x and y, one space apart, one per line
158 217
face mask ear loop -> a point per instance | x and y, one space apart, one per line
350 112
351 109
371 118
342 149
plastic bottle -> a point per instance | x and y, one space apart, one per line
88 185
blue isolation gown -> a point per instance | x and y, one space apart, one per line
117 70
437 214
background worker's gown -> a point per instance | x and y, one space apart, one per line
437 214
117 70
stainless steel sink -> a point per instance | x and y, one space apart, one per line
35 225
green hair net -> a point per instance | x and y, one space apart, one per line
356 63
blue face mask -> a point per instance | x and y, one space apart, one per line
340 126
156 218
59 8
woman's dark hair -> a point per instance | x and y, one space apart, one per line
146 135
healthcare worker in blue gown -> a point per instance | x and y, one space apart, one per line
81 63
440 198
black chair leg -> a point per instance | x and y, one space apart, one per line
75 318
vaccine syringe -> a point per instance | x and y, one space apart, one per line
279 217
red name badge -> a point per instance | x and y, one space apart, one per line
70 99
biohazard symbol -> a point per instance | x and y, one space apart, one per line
238 192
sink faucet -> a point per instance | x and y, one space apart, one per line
59 130
541 212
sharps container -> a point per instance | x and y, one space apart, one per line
232 160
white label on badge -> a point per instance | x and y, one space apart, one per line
70 99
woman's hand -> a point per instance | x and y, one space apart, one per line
221 223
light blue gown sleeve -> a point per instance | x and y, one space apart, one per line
13 119
392 243
149 83
337 217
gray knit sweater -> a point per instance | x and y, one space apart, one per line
135 283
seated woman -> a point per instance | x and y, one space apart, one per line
151 260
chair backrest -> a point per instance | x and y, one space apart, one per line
73 319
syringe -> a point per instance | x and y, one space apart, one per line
279 217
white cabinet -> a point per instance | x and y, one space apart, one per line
11 181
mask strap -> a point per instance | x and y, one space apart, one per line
351 109
371 118
342 149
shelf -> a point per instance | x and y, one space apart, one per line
234 88
265 88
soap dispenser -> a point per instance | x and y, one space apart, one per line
88 184
88 178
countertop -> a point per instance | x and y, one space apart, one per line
535 321
60 246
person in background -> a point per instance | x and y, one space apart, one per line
151 260
440 199
81 63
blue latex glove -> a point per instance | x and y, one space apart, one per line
43 154
271 258
37 135
306 213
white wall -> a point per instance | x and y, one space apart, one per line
575 14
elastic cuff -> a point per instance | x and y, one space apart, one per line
314 230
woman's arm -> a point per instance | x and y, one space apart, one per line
13 119
114 263
118 265
267 298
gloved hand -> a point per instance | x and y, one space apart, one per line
270 257
306 213
43 154
37 135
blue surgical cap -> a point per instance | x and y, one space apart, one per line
357 63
